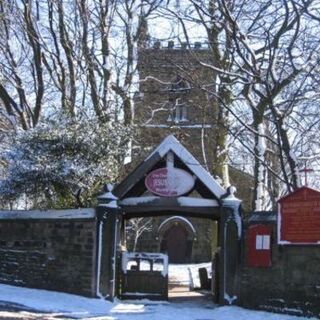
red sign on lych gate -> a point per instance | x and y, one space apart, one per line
299 217
169 182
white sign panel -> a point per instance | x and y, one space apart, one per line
169 182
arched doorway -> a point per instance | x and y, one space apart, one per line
176 236
175 243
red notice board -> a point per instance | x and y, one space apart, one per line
259 245
299 217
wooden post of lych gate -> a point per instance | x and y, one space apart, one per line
229 258
109 223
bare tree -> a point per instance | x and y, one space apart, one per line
26 104
136 227
274 57
133 15
78 59
264 59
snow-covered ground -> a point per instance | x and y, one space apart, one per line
183 274
54 305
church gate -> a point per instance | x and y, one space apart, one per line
163 185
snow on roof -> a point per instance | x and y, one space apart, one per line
183 201
84 213
170 143
299 190
197 202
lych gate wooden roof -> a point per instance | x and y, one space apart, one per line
133 187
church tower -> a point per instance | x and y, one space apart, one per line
175 97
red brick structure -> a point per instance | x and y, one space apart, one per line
299 217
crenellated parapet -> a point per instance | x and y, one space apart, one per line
197 45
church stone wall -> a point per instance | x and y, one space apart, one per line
49 254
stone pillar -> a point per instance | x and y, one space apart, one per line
230 236
109 223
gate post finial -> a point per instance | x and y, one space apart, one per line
108 199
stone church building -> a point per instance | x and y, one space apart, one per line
175 98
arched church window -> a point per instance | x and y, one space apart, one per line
179 112
179 89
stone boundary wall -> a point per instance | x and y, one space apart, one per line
53 250
291 285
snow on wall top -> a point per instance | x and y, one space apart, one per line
170 143
87 213
263 216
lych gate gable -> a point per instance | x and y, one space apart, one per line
205 184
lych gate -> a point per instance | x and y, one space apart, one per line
163 184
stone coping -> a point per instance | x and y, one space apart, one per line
63 214
263 216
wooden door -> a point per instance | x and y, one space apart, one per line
175 243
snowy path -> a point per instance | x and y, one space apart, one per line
54 305
179 273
